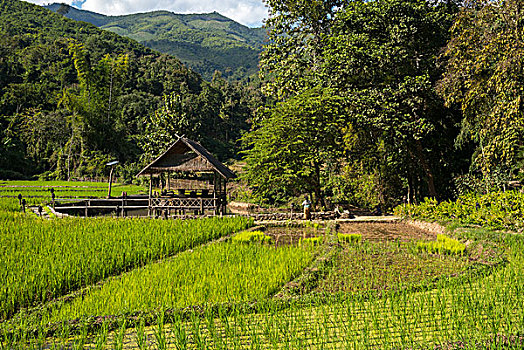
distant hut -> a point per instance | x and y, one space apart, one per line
189 179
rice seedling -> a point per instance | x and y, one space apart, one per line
482 306
217 273
250 237
349 237
443 245
373 266
311 241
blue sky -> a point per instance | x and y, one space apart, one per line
247 12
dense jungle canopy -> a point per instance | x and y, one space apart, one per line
361 102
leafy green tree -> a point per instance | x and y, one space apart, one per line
292 58
382 56
484 77
216 116
290 151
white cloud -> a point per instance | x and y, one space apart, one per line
248 12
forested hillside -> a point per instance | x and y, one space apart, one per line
204 42
73 96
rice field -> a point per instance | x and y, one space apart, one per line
216 273
39 192
159 284
41 260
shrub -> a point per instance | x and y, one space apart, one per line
495 210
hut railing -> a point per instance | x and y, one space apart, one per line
184 203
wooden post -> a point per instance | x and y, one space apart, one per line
87 210
123 204
110 182
224 199
150 194
215 197
201 206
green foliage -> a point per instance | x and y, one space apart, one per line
495 210
251 237
443 245
377 60
216 273
217 116
349 237
288 153
354 185
396 120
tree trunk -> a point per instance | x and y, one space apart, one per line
427 169
317 188
410 189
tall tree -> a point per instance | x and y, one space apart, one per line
91 107
484 76
292 58
293 146
382 57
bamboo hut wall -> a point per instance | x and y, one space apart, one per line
189 184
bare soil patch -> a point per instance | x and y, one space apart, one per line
386 231
282 235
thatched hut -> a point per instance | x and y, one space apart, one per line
189 179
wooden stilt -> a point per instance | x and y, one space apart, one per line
150 195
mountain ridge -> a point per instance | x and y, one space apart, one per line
206 42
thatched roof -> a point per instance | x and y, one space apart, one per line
187 155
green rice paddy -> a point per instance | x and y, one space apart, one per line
144 283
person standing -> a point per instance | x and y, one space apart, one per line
307 208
